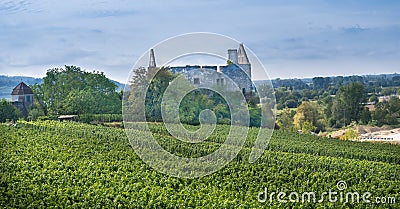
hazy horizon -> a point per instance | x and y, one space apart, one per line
124 82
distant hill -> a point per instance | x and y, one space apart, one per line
8 83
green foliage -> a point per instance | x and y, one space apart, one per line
8 111
309 112
52 164
38 95
191 105
100 118
74 91
307 127
291 103
34 114
147 86
155 91
285 120
255 118
387 112
374 99
341 98
350 134
366 116
388 91
348 104
198 100
321 83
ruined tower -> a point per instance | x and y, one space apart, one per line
233 55
152 62
244 63
240 70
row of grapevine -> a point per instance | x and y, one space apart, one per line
292 142
66 164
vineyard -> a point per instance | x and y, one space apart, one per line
67 164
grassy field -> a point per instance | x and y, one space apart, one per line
54 164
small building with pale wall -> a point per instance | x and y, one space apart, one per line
22 97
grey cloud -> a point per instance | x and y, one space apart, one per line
354 29
8 7
98 31
13 6
108 13
55 58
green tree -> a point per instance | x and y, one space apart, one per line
388 91
80 102
8 111
135 95
374 99
146 88
255 118
365 116
387 112
74 91
380 113
326 102
309 112
34 112
348 104
155 91
39 102
291 103
285 120
307 127
350 134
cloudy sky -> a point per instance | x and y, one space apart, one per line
291 38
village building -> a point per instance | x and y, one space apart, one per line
22 97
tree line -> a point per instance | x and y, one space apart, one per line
327 103
70 91
348 105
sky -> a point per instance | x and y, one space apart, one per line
293 39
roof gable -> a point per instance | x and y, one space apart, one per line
22 89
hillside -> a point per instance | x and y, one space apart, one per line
50 164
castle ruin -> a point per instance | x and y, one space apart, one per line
238 69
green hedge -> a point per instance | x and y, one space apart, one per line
90 118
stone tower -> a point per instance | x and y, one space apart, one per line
240 70
242 55
152 62
233 55
244 63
